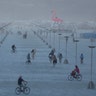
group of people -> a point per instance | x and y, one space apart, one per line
53 57
33 52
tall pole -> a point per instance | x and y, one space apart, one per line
76 51
66 61
50 40
76 41
91 83
66 45
59 41
91 61
54 38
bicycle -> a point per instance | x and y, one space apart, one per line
77 77
24 89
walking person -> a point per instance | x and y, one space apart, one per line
60 56
28 58
51 54
54 60
81 58
33 52
13 48
50 57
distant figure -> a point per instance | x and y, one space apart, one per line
60 57
33 52
51 55
54 60
13 48
81 58
25 35
53 50
28 58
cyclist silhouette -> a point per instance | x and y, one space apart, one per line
22 86
20 81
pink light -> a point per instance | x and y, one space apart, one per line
56 19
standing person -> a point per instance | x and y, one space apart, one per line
54 60
50 57
33 52
13 48
60 57
28 58
52 51
51 54
81 58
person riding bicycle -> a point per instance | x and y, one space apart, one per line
75 72
22 86
20 81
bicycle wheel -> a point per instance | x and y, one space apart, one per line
17 90
26 90
79 77
70 78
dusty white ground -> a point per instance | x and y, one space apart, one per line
43 79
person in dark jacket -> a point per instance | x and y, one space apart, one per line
20 81
54 60
28 58
33 52
13 48
81 58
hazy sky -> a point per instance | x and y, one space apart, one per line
68 10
